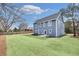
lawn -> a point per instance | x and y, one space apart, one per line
29 45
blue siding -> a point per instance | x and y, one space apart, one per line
50 27
60 27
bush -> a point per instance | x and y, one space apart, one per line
35 34
67 30
15 30
1 30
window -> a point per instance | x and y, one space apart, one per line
46 24
50 31
53 22
35 26
42 24
50 23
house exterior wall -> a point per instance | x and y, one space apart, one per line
35 28
50 27
60 28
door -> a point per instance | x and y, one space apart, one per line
45 32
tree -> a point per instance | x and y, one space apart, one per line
70 12
68 26
62 11
8 16
15 29
73 9
23 26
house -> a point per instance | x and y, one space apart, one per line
52 25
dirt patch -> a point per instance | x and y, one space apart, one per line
2 45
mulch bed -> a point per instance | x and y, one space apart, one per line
2 45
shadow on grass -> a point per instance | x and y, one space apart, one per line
71 36
43 37
35 37
55 36
74 37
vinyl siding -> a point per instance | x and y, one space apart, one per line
50 27
60 27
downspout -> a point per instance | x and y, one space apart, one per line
56 28
34 28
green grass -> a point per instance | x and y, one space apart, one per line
28 45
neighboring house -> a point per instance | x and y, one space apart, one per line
52 25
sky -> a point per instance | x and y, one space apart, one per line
35 11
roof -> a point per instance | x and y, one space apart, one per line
53 17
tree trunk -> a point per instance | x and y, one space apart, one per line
73 16
74 29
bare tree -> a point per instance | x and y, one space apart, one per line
73 9
70 12
8 16
23 26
